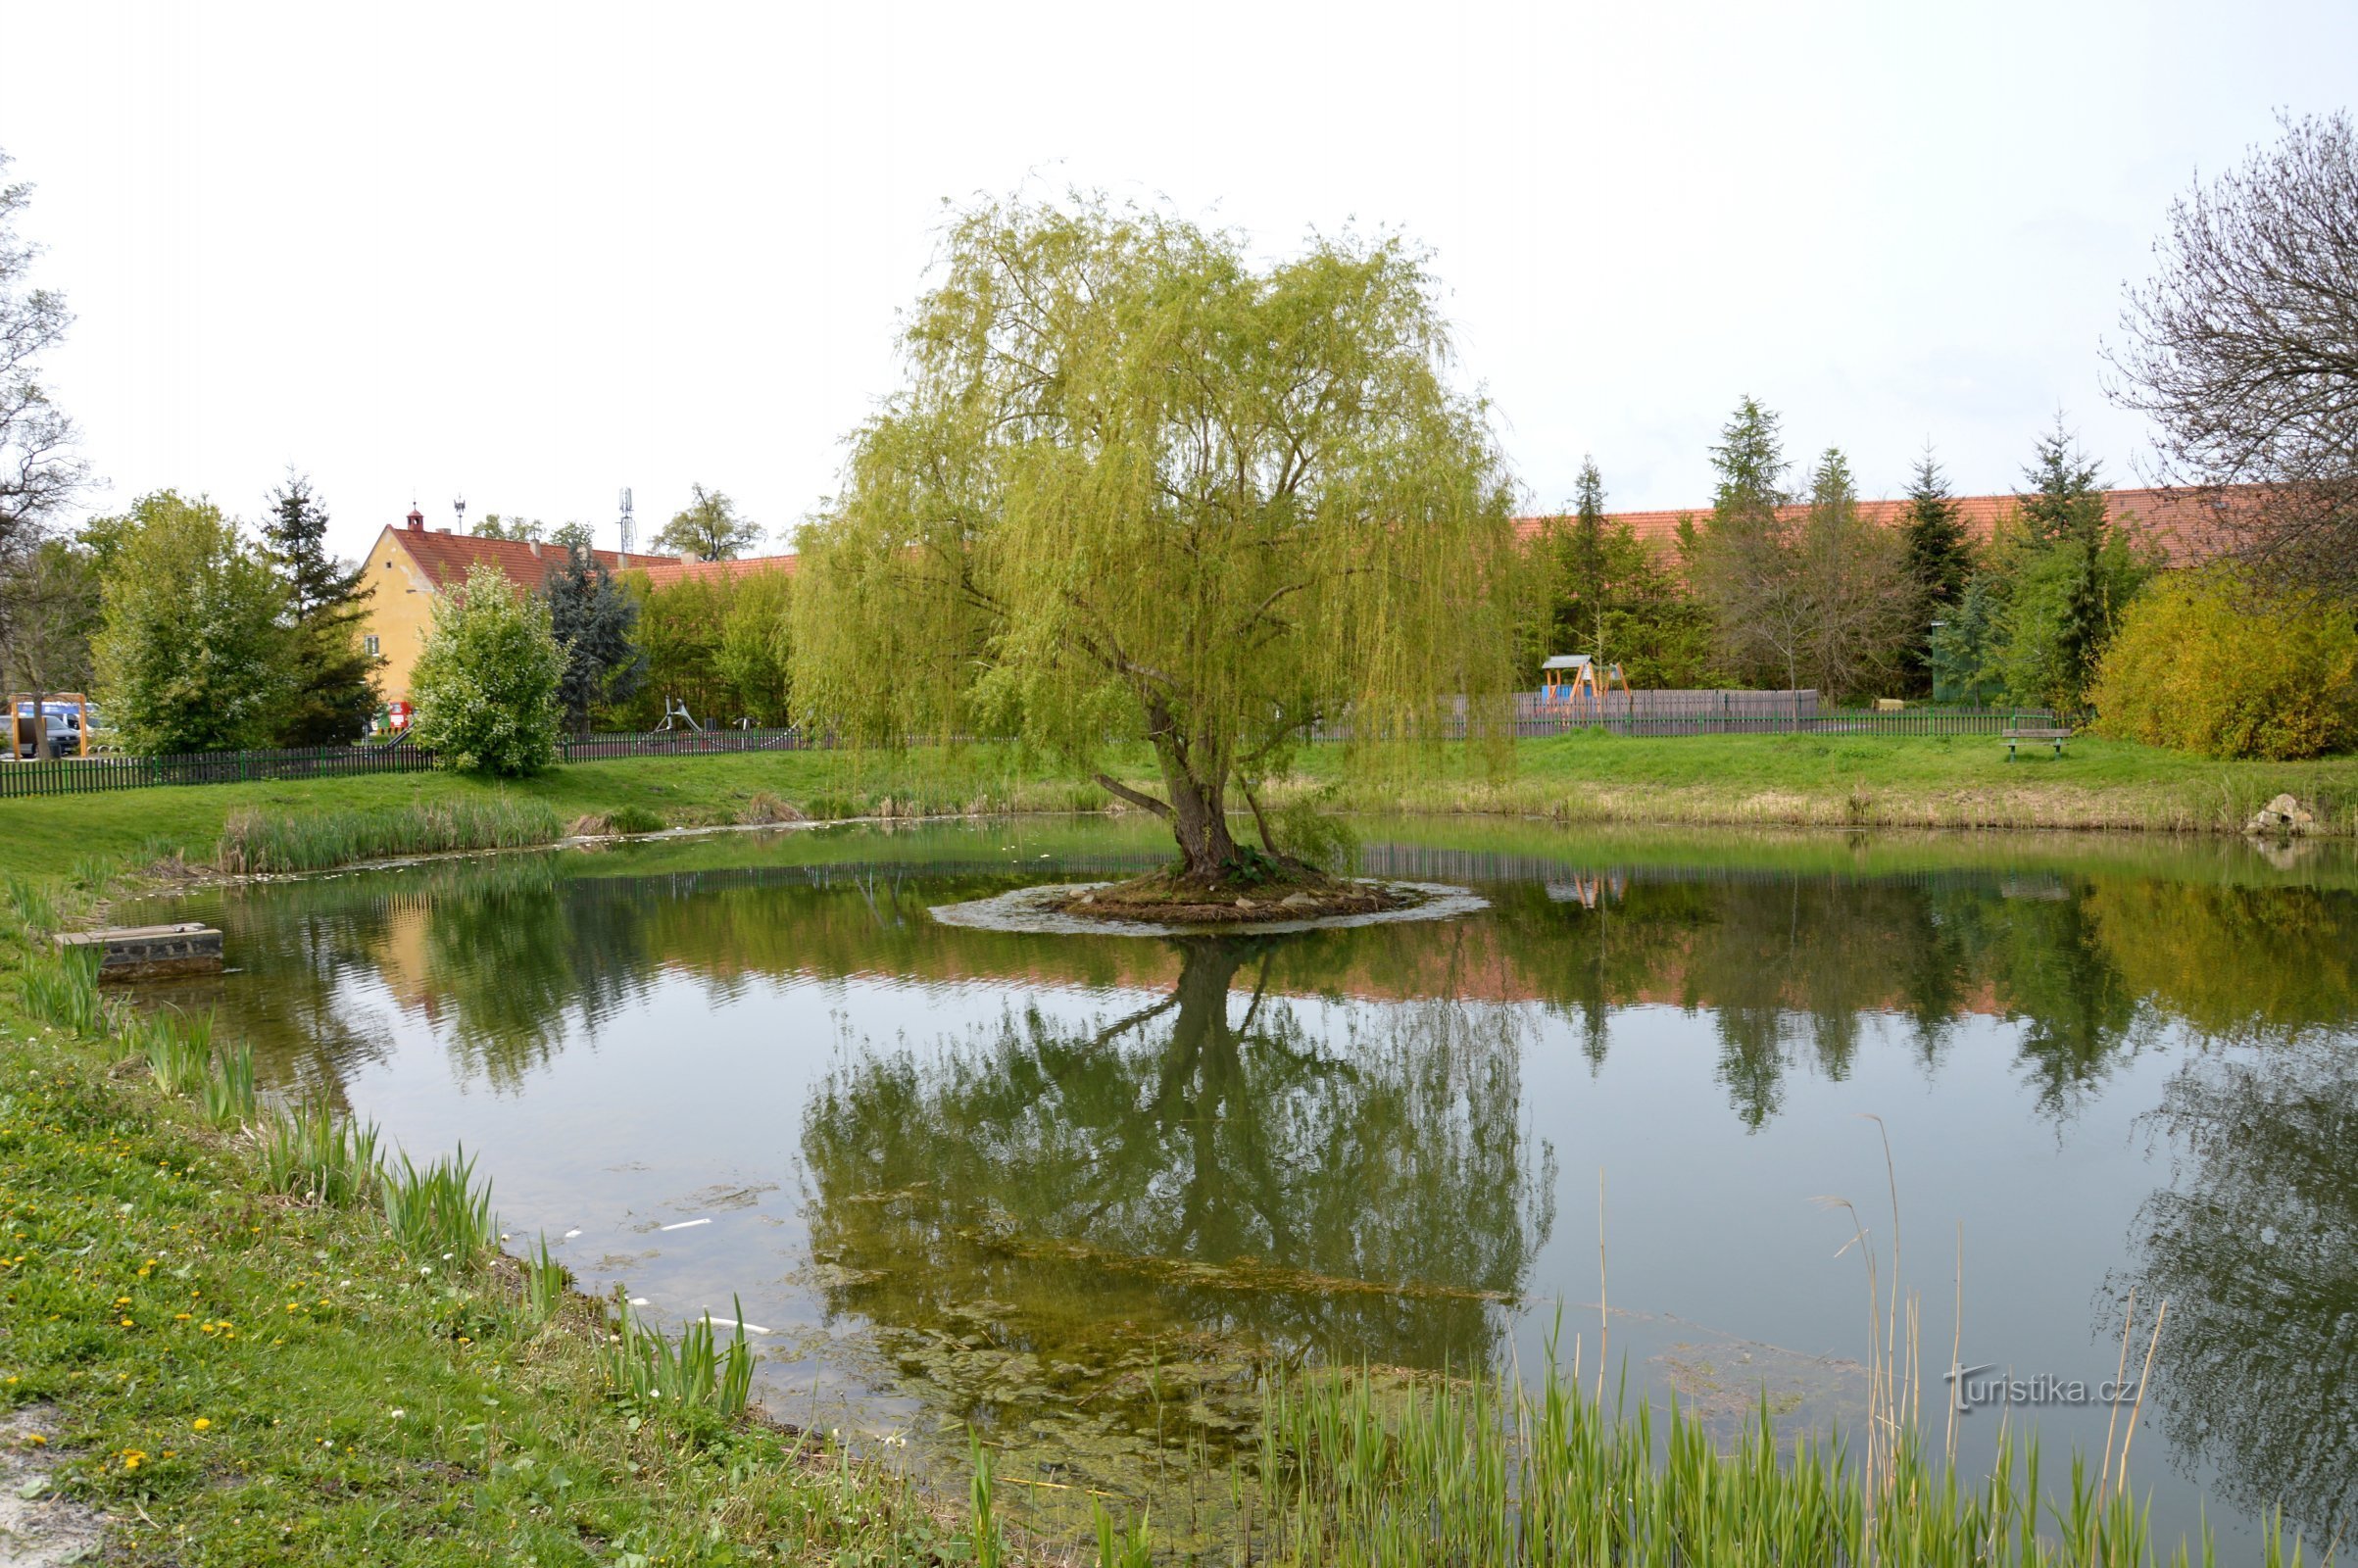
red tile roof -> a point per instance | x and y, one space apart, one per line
2182 521
668 569
446 558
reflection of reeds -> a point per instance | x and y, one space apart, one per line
311 841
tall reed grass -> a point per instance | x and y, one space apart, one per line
229 1088
60 988
255 841
311 1152
545 1280
438 1212
645 1370
178 1046
33 904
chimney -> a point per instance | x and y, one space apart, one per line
535 544
689 557
416 520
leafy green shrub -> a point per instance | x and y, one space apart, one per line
2207 662
486 684
633 819
311 1152
311 841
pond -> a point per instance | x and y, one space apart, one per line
1076 1191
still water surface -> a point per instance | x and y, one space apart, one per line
1077 1190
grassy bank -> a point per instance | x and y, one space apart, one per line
1739 779
252 1346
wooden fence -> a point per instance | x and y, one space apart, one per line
1621 714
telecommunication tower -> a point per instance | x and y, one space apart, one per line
458 508
630 526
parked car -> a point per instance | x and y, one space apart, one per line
60 726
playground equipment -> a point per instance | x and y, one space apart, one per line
55 724
1574 677
674 709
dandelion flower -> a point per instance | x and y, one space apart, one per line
202 1424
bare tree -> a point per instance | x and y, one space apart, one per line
1862 604
38 471
2243 348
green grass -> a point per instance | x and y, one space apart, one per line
242 1377
1738 779
253 838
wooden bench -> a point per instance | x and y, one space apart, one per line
2016 737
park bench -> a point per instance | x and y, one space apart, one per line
2016 737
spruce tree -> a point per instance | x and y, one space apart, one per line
333 683
2065 512
1939 559
592 620
1580 612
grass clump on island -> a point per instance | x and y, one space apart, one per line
261 1345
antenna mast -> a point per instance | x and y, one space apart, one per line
630 526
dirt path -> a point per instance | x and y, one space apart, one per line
37 1527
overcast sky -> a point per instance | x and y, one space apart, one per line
536 252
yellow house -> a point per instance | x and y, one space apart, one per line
409 566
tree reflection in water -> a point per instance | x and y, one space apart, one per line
1112 1228
2255 1248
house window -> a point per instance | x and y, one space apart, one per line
368 645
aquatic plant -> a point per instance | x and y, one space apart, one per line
545 1280
256 841
179 1051
228 1086
311 1152
437 1212
33 904
646 1371
633 819
61 988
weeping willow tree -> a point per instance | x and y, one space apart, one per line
1137 487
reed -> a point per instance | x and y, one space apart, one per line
312 1154
61 988
255 841
179 1051
438 1212
647 1372
545 1280
229 1087
33 904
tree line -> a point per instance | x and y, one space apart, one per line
1792 585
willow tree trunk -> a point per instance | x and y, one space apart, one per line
1200 822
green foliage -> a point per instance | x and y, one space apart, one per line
2206 662
1311 831
61 988
190 656
228 1086
719 643
257 841
486 684
1137 487
708 528
647 1372
178 1048
633 819
312 1154
1819 600
1612 595
437 1212
545 1280
2059 605
33 904
1939 563
592 620
332 691
522 530
49 610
